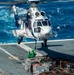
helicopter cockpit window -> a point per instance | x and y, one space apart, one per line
39 24
49 23
45 23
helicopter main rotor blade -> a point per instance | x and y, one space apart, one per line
10 3
14 2
26 1
19 2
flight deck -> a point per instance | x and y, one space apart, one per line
12 56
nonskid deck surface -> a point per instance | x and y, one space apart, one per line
63 49
12 54
9 59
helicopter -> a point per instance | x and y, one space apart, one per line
35 25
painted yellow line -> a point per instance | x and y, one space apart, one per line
14 57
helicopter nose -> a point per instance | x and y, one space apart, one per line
46 30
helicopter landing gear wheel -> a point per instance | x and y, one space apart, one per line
35 44
20 40
44 44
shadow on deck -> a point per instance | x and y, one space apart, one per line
55 54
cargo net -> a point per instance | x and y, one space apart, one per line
3 72
60 67
49 66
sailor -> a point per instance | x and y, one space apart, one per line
33 54
27 65
29 55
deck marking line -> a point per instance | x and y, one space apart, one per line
9 54
38 41
60 40
25 47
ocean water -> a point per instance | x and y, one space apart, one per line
61 16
